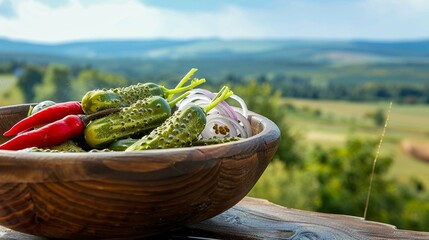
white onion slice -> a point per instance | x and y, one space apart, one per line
235 129
202 100
209 132
242 104
246 124
192 98
222 104
224 115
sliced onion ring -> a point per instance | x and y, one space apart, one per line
224 105
236 119
209 132
243 105
235 129
246 124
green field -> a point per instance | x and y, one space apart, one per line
338 121
9 92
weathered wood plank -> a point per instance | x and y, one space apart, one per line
259 219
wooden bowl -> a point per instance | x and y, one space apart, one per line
127 194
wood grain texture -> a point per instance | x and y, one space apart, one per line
127 194
254 218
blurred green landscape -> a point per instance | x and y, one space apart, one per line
330 100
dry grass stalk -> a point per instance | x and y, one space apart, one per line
375 160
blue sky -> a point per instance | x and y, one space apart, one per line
70 20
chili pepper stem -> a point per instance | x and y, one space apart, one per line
86 119
183 81
223 94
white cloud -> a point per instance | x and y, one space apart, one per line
121 19
6 9
55 3
398 8
400 19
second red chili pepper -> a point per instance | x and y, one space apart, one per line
47 115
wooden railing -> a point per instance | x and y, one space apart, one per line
254 218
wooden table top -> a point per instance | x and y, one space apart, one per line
254 218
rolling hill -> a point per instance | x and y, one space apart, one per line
307 50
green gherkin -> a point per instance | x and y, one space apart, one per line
141 116
97 100
68 146
181 129
122 144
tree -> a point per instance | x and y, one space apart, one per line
291 187
263 99
31 76
378 116
344 175
55 85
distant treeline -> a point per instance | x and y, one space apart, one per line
298 84
301 87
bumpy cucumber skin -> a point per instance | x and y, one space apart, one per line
68 146
141 116
98 100
179 130
123 144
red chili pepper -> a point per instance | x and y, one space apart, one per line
48 135
47 115
54 133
